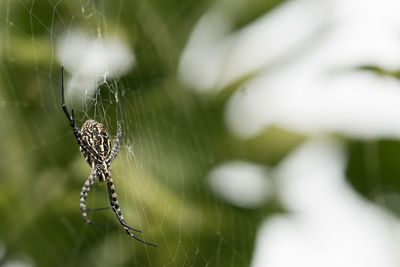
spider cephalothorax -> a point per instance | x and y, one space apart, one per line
95 146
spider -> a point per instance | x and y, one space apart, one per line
95 146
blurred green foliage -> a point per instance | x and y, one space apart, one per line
374 171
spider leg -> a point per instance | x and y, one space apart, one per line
71 118
115 205
84 193
138 239
112 196
63 105
116 146
119 138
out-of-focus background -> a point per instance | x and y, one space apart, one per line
259 133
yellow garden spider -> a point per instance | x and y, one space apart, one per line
95 146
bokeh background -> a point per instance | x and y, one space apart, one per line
259 133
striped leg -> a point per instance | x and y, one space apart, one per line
119 139
85 190
116 145
84 193
112 196
115 206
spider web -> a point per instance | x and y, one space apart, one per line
170 146
175 138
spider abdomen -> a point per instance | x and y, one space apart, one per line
97 138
